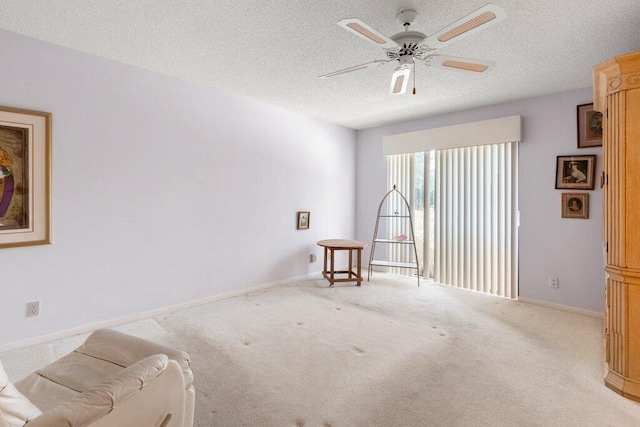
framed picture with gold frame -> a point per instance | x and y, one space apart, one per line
25 177
303 220
575 205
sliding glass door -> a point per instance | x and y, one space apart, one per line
464 206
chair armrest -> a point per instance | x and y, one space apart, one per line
125 350
101 400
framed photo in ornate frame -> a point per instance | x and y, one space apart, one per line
303 220
25 177
576 172
589 126
575 205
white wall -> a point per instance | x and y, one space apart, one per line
569 249
163 192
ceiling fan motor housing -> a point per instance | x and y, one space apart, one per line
409 46
408 40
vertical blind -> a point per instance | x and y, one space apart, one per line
400 170
475 218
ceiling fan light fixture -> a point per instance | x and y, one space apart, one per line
400 80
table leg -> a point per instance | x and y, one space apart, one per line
359 282
324 271
332 251
350 263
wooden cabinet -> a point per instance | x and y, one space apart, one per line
616 89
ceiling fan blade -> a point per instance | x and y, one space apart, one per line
461 64
354 68
476 21
399 81
367 32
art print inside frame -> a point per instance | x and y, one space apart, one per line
575 172
589 126
304 217
14 178
25 177
575 205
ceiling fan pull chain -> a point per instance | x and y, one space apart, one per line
414 78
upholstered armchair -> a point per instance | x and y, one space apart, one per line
112 379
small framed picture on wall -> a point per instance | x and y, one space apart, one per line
575 205
589 126
575 172
303 220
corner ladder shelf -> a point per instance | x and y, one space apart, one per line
409 241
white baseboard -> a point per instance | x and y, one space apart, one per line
561 307
139 316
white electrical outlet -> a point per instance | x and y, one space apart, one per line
553 282
33 308
312 258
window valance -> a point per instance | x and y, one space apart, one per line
486 132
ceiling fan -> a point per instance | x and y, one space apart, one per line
406 47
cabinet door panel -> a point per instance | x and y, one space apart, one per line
632 179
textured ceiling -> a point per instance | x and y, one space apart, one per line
274 50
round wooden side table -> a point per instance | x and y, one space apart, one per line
332 245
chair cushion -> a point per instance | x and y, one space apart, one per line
15 409
79 372
43 392
65 378
125 350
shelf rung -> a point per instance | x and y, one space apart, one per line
406 242
394 264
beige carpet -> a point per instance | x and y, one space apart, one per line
385 354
